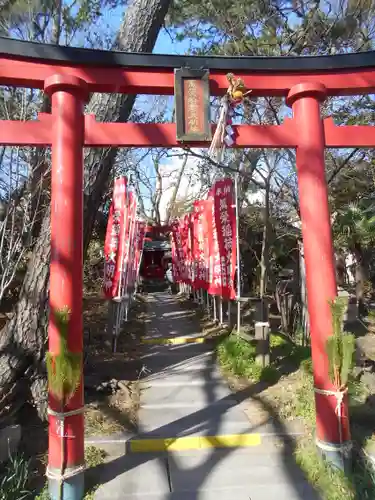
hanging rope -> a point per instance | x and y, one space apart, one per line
224 134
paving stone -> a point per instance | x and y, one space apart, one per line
188 350
265 492
180 419
185 376
212 468
185 351
271 491
201 395
183 395
174 334
178 362
133 475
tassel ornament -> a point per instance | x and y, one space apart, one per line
224 135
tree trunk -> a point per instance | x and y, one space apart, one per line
23 339
265 258
305 323
40 178
173 199
340 268
360 279
138 33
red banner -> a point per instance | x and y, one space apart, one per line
189 249
214 252
204 243
177 252
200 244
113 240
138 245
184 233
225 224
126 283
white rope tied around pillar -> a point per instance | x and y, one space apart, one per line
339 395
67 473
63 415
61 477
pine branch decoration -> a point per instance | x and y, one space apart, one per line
64 369
340 346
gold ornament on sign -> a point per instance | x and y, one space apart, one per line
235 95
236 90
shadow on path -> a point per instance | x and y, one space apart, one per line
201 421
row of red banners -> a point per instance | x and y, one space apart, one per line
123 242
204 243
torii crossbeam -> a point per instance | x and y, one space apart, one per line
68 75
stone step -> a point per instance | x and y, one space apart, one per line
187 375
174 338
178 362
263 492
188 350
216 435
207 474
214 469
178 419
212 427
198 394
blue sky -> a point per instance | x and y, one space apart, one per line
107 26
164 45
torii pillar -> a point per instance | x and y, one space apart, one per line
66 424
305 100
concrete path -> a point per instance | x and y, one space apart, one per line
195 441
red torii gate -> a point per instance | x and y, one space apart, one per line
68 75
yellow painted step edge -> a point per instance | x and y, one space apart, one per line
195 443
173 341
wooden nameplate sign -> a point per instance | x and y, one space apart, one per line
192 105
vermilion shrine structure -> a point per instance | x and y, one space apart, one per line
69 75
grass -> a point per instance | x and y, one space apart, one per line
331 483
14 479
237 357
293 398
93 457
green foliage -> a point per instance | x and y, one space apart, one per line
94 456
43 495
305 402
354 225
340 346
64 369
331 483
289 350
269 28
14 479
38 20
238 357
277 340
306 366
